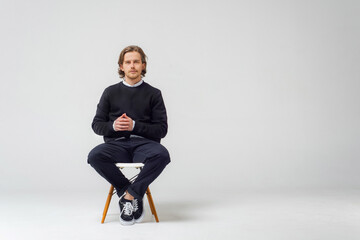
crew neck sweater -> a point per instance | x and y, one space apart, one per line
144 104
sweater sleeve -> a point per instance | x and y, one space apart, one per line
102 124
158 126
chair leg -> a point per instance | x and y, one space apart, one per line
151 204
111 192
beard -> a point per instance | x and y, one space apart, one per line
133 76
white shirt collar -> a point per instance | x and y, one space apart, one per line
135 85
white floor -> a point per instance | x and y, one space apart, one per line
321 214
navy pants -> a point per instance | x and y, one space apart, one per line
132 150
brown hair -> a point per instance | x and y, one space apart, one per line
132 48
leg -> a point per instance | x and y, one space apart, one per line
155 157
103 158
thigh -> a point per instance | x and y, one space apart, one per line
113 151
147 149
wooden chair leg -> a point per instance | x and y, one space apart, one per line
151 204
111 192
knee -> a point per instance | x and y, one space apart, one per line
92 157
95 156
164 155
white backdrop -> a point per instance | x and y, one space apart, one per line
260 94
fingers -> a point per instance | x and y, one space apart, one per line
122 128
122 120
123 123
124 116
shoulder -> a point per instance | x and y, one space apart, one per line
110 89
150 88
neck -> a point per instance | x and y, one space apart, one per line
132 81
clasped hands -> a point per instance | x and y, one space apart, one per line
123 123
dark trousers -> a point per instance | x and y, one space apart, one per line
132 150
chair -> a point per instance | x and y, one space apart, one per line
112 192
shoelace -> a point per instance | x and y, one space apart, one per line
135 205
128 209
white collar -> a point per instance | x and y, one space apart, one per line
135 85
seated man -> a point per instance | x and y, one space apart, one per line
131 116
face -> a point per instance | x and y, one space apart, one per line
132 66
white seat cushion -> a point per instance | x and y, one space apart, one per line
129 165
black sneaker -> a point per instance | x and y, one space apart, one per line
126 211
138 210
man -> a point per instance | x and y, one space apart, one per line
131 116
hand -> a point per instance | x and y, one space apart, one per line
123 123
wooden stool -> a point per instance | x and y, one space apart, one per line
112 192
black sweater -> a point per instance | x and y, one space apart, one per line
144 104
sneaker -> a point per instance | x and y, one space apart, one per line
138 210
126 212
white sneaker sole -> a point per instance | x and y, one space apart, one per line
126 223
139 220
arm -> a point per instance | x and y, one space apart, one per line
157 128
102 125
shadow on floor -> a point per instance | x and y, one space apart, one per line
180 211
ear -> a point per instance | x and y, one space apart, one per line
143 66
121 67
